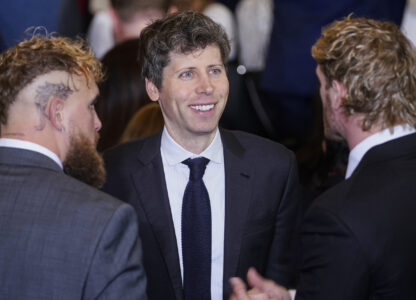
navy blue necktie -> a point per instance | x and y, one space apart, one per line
196 233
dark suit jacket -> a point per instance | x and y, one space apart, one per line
359 238
261 209
61 239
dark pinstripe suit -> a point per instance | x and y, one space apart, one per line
61 239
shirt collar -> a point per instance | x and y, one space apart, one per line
175 154
14 143
385 135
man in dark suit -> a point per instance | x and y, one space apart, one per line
251 182
359 238
60 237
288 79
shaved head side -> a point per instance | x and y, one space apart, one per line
40 55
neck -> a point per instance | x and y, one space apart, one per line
193 143
41 138
354 134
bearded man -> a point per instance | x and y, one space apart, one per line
60 238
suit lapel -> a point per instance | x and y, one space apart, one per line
238 185
149 181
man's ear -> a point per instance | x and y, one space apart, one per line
152 90
55 113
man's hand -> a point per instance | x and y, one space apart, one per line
262 289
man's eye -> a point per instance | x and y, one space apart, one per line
215 71
186 74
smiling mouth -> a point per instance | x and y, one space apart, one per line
206 107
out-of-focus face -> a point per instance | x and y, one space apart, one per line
133 27
193 94
331 125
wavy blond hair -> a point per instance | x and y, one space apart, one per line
377 65
39 55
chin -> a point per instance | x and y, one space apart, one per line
206 130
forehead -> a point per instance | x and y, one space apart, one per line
211 54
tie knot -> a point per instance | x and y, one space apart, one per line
196 167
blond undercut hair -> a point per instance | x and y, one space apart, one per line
39 55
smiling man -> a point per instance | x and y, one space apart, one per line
60 237
240 206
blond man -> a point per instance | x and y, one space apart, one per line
359 238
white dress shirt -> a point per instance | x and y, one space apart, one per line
378 138
177 177
19 144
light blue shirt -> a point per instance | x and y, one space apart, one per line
19 144
177 176
375 139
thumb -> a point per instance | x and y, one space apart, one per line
255 279
267 286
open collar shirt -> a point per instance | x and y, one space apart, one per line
385 135
177 176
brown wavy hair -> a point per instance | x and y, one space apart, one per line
377 65
182 32
39 55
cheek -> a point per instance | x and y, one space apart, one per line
222 87
322 94
86 118
173 99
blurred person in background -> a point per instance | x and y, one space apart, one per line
222 15
123 20
146 121
409 21
122 92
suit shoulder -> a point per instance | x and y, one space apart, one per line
85 196
123 150
333 198
258 145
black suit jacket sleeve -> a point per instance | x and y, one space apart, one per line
116 271
285 245
334 265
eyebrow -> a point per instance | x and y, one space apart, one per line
217 65
184 69
221 65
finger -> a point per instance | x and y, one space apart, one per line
239 289
255 279
255 294
267 286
